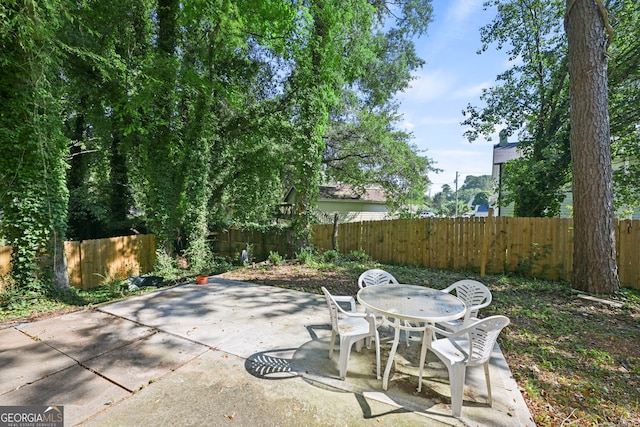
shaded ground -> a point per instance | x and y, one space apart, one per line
577 362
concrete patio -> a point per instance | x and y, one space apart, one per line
232 353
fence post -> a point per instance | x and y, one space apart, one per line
485 243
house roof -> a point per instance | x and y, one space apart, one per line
373 194
347 192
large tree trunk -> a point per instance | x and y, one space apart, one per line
594 259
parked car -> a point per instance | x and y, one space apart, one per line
426 215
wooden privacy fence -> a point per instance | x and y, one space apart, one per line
537 247
91 262
230 243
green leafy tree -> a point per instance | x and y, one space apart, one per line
482 182
370 151
33 193
106 45
481 198
199 112
346 75
624 101
532 100
363 145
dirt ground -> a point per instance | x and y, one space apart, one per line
338 281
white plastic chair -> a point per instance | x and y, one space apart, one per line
376 277
475 296
469 346
352 327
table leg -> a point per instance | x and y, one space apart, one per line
428 335
392 354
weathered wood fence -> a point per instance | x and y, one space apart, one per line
232 242
538 247
91 262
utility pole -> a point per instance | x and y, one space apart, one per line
456 194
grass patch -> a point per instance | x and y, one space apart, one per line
42 301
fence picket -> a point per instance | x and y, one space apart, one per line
542 247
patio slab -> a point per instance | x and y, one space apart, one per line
84 334
143 362
82 393
231 352
24 360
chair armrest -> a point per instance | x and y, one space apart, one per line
346 299
373 325
448 289
355 314
447 333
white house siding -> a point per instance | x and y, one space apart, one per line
352 210
504 153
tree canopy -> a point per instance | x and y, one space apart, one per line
531 102
476 190
171 117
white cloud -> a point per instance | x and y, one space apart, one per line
429 86
462 9
471 91
407 125
442 121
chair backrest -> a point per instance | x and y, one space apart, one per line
482 338
474 294
333 308
375 277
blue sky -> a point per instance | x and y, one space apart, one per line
452 77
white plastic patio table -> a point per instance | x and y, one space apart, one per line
417 304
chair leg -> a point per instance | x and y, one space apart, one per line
406 332
423 356
332 343
377 338
486 376
456 378
345 352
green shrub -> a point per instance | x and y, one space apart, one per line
274 258
165 266
306 256
358 256
331 256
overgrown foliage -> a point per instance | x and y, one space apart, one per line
169 117
33 192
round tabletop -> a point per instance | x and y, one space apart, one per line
411 302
